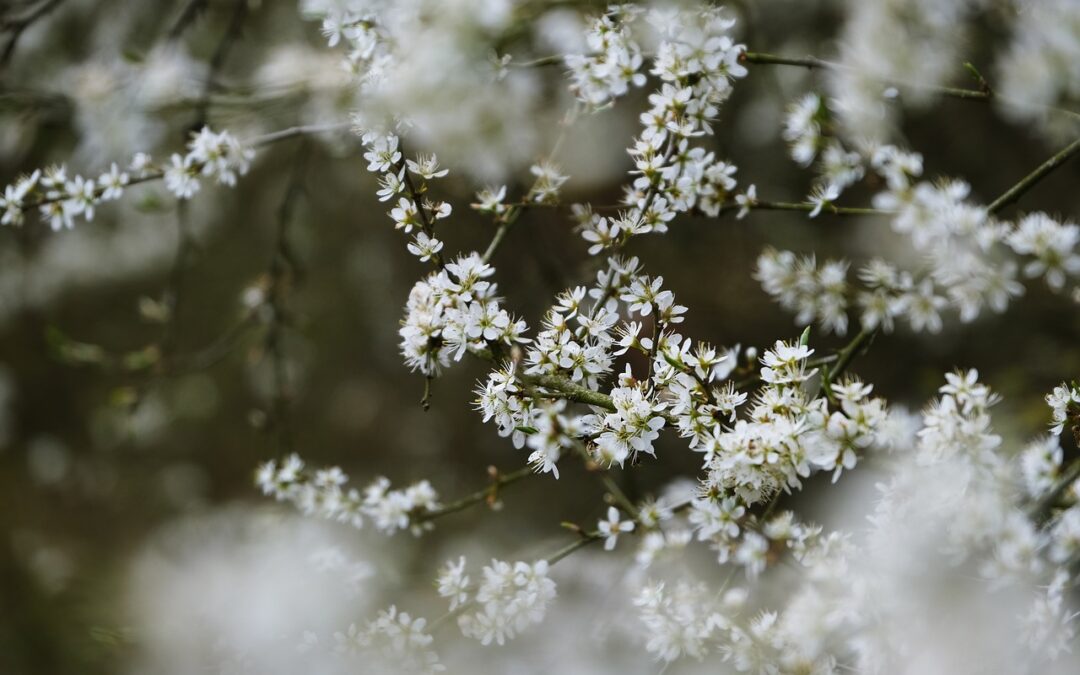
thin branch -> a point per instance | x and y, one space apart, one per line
985 95
848 352
812 62
174 290
511 216
254 142
573 391
550 60
17 26
807 207
217 61
1014 193
282 269
299 130
500 233
584 540
191 11
844 357
1064 483
488 494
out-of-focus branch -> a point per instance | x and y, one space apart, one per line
217 61
983 94
488 494
16 26
283 269
255 142
173 296
191 11
1014 193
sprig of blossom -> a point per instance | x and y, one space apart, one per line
454 310
696 63
60 199
393 642
615 60
410 212
509 598
1062 401
325 493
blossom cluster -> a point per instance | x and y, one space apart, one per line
578 344
1063 401
61 198
789 433
888 44
807 128
614 62
384 158
509 598
393 642
762 426
452 311
954 498
968 255
696 63
325 493
1033 69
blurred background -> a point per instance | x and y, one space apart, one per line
139 391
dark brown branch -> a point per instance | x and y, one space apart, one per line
16 27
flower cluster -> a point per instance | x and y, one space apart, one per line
61 198
678 621
384 158
1062 401
509 598
325 493
799 285
953 499
573 340
788 433
807 128
1051 244
696 63
614 62
689 378
1034 68
452 311
393 642
628 430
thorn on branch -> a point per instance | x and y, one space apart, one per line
573 527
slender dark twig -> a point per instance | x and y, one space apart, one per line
191 11
1014 193
217 61
283 270
16 27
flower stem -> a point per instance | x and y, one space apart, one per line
1027 182
487 494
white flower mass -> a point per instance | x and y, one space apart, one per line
754 508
